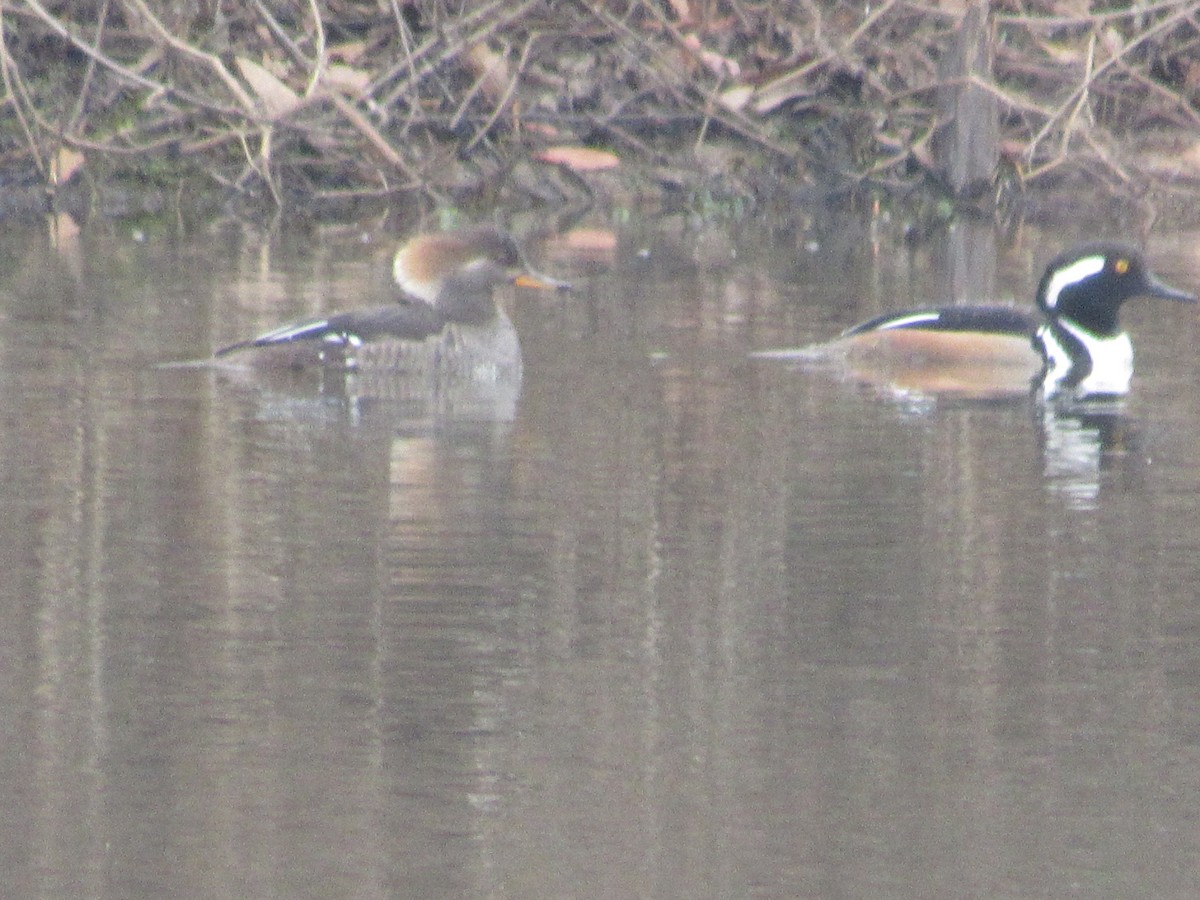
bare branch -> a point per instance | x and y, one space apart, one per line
191 52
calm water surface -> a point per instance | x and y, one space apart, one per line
682 624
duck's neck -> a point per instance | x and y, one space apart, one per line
1082 363
488 352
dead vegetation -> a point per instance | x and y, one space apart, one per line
477 98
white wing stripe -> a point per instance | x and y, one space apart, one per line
292 332
914 319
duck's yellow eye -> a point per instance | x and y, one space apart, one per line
1121 266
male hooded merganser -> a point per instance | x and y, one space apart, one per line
1073 339
446 317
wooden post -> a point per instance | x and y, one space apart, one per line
966 146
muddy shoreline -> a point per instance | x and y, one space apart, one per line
145 109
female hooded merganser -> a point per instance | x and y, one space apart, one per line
446 318
1073 340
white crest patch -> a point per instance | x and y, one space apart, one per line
412 286
419 267
914 319
1078 271
404 268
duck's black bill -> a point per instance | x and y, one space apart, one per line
1156 288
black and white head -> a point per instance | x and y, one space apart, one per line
1081 295
1087 285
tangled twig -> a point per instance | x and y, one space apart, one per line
320 98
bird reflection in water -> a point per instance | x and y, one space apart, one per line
1084 446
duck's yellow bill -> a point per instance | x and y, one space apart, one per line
541 282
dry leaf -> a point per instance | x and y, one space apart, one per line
1072 9
63 230
1112 41
347 52
1170 161
1061 54
1189 159
792 86
583 246
721 66
683 9
491 69
542 128
736 97
587 240
579 159
65 163
347 79
277 98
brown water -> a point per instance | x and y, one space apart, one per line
687 626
